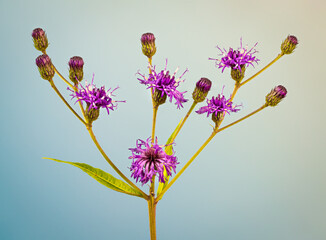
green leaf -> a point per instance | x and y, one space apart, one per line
169 151
104 178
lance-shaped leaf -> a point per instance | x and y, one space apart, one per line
104 178
169 151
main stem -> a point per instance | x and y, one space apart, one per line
151 201
89 128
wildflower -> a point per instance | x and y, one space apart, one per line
95 98
289 44
276 96
148 44
76 69
149 160
218 106
45 66
201 90
236 59
163 85
40 39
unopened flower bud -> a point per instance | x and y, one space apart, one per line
159 97
289 44
237 74
45 66
40 39
275 96
91 114
148 44
76 72
201 90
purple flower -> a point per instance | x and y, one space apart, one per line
150 160
235 59
95 98
165 84
218 105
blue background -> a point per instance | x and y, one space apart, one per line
261 179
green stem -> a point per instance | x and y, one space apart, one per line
89 129
151 201
241 119
267 66
57 72
183 121
64 100
152 217
154 121
187 164
81 105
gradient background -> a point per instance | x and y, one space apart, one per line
261 179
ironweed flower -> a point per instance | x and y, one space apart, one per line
289 44
276 96
201 90
163 85
76 69
217 106
148 44
150 160
95 98
45 66
40 39
236 59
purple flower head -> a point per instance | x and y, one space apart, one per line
148 44
217 106
37 33
289 44
45 66
201 90
148 38
276 96
235 59
76 62
40 39
165 84
76 72
95 98
150 160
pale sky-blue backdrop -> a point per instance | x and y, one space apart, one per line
262 179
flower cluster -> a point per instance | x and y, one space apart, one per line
236 59
150 160
164 84
95 98
217 106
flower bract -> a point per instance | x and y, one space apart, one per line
149 160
